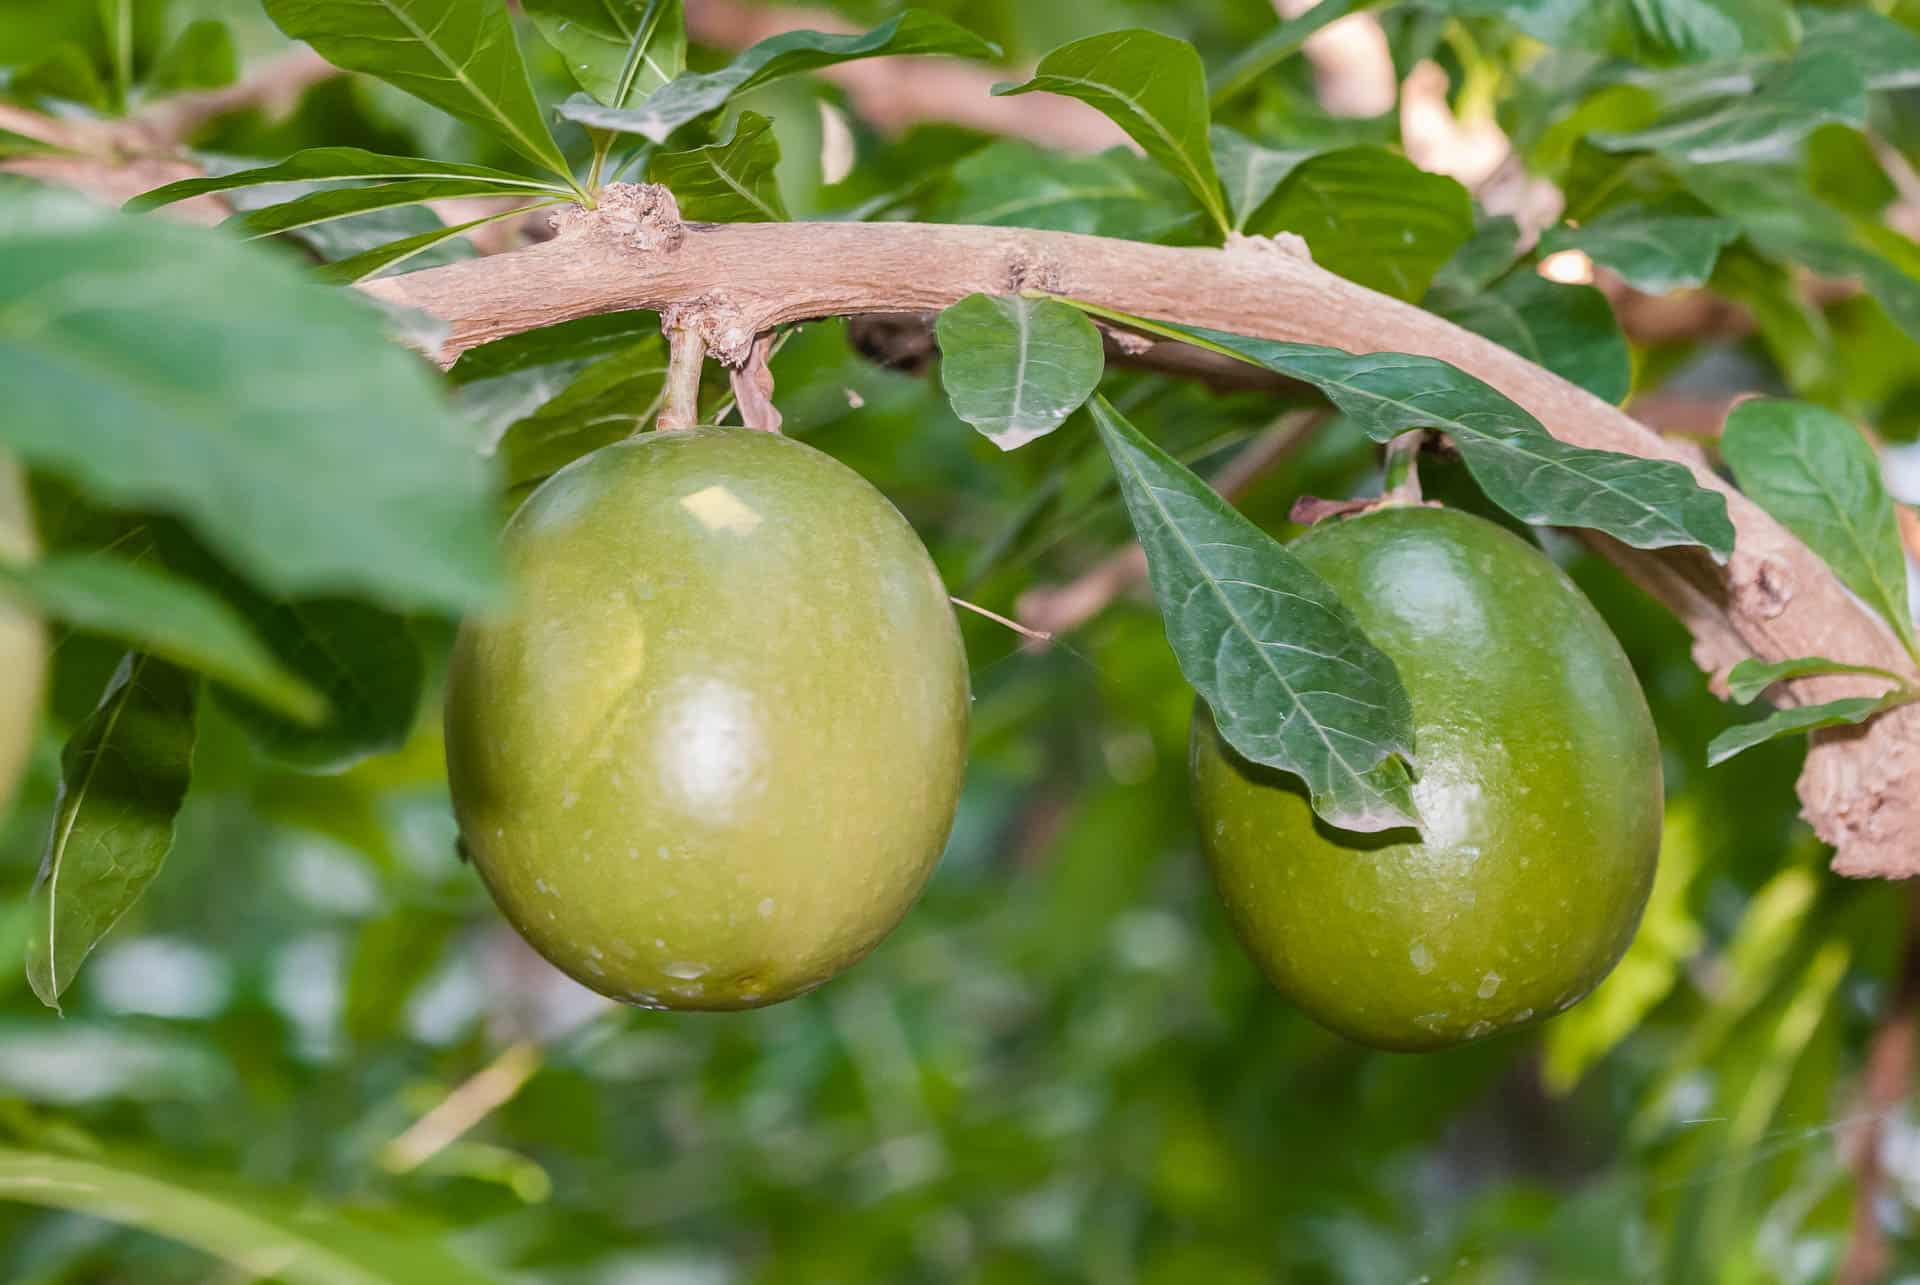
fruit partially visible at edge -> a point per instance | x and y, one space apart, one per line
1538 782
23 641
712 753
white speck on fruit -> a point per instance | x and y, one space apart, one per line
1421 958
766 907
685 972
721 510
662 853
596 952
541 884
568 799
1489 985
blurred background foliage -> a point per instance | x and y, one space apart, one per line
1061 1068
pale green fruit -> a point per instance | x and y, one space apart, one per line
709 757
23 642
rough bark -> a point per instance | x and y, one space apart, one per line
1861 786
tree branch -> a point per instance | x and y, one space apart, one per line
1861 786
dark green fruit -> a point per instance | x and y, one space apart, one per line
1538 782
710 756
23 642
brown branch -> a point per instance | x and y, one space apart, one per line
1056 609
1861 786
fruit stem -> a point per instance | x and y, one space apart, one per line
1403 469
686 356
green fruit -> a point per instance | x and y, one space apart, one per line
23 643
1538 783
709 757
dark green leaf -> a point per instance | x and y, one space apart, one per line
609 400
1780 109
1487 255
169 618
1653 248
1250 172
1887 53
689 97
344 202
371 262
168 367
1154 88
583 338
619 51
66 74
320 164
1800 718
202 58
459 55
304 1242
1570 330
1010 183
730 181
122 778
1372 216
1291 680
1015 367
1649 504
1751 677
1812 470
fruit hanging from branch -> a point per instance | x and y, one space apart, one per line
1537 779
710 755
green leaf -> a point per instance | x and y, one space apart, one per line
459 55
1154 88
1813 471
1248 171
344 202
1486 256
1800 718
202 57
122 778
1570 330
363 660
166 367
1248 67
689 97
1015 367
582 338
1010 183
321 164
1655 248
1887 53
608 401
1659 31
730 181
65 74
1372 216
617 50
169 618
294 1238
1292 681
371 262
1780 109
1751 677
1649 504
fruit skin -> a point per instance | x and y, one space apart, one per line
23 641
1538 781
710 755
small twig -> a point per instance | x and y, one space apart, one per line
1031 635
753 386
481 1094
686 357
1057 609
1402 484
1311 510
